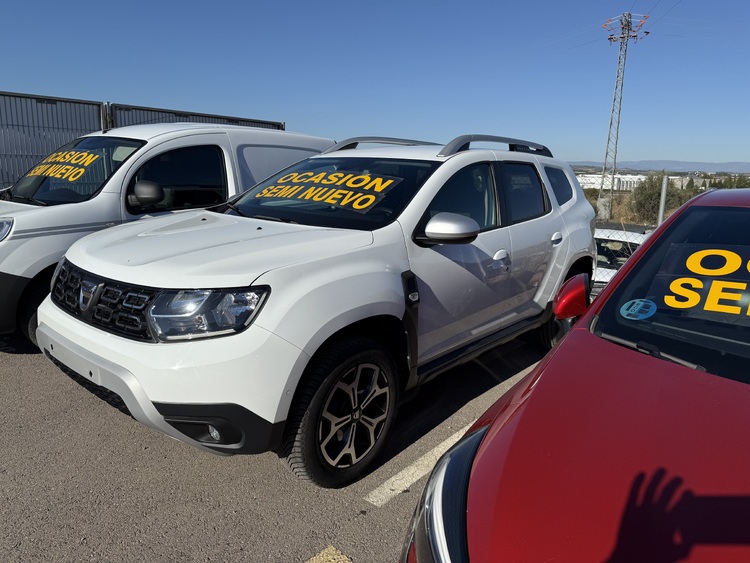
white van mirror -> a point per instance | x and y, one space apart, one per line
147 192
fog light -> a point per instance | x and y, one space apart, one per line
214 433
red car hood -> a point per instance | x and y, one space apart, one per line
554 473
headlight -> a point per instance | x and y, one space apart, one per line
6 224
438 528
189 314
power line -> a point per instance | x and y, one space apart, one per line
664 14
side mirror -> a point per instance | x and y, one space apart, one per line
147 192
449 228
573 298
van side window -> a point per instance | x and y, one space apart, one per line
256 162
523 191
560 184
190 177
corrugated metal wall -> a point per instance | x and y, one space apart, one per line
31 126
122 115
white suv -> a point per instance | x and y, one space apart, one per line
292 317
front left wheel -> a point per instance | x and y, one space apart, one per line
27 319
342 413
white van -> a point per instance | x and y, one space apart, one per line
111 177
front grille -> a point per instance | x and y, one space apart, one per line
106 304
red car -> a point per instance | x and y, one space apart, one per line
630 441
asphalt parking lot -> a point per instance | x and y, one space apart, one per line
81 481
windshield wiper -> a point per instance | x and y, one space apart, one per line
269 218
27 199
648 349
234 208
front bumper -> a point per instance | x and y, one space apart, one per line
226 395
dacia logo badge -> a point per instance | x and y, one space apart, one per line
87 294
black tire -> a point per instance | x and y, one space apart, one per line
27 320
342 413
551 332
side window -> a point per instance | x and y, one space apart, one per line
190 177
560 184
523 190
469 192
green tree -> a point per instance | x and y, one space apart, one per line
647 196
739 181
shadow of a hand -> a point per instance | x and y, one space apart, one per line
649 531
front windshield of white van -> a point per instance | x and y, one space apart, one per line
73 173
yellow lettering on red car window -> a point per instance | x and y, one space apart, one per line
704 281
691 298
716 294
732 262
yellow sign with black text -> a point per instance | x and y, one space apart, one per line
704 280
66 165
347 190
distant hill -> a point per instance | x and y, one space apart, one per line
676 166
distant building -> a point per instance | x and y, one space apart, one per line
623 182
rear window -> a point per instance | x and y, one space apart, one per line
560 184
688 295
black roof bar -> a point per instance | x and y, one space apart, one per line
354 141
462 143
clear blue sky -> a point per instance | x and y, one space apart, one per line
542 71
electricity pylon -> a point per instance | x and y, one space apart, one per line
626 33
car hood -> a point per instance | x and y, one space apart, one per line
206 249
13 208
595 421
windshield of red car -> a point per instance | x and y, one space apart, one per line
688 295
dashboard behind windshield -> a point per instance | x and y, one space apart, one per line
688 295
73 173
348 193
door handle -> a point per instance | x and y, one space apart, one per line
557 238
501 254
499 258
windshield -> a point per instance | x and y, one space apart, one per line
348 193
73 173
688 296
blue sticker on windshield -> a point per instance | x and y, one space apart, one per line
638 309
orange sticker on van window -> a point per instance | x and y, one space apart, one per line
347 190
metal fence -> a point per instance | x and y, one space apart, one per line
31 126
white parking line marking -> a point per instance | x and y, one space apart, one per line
407 477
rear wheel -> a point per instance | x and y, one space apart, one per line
342 413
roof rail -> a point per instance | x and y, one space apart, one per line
462 143
354 141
